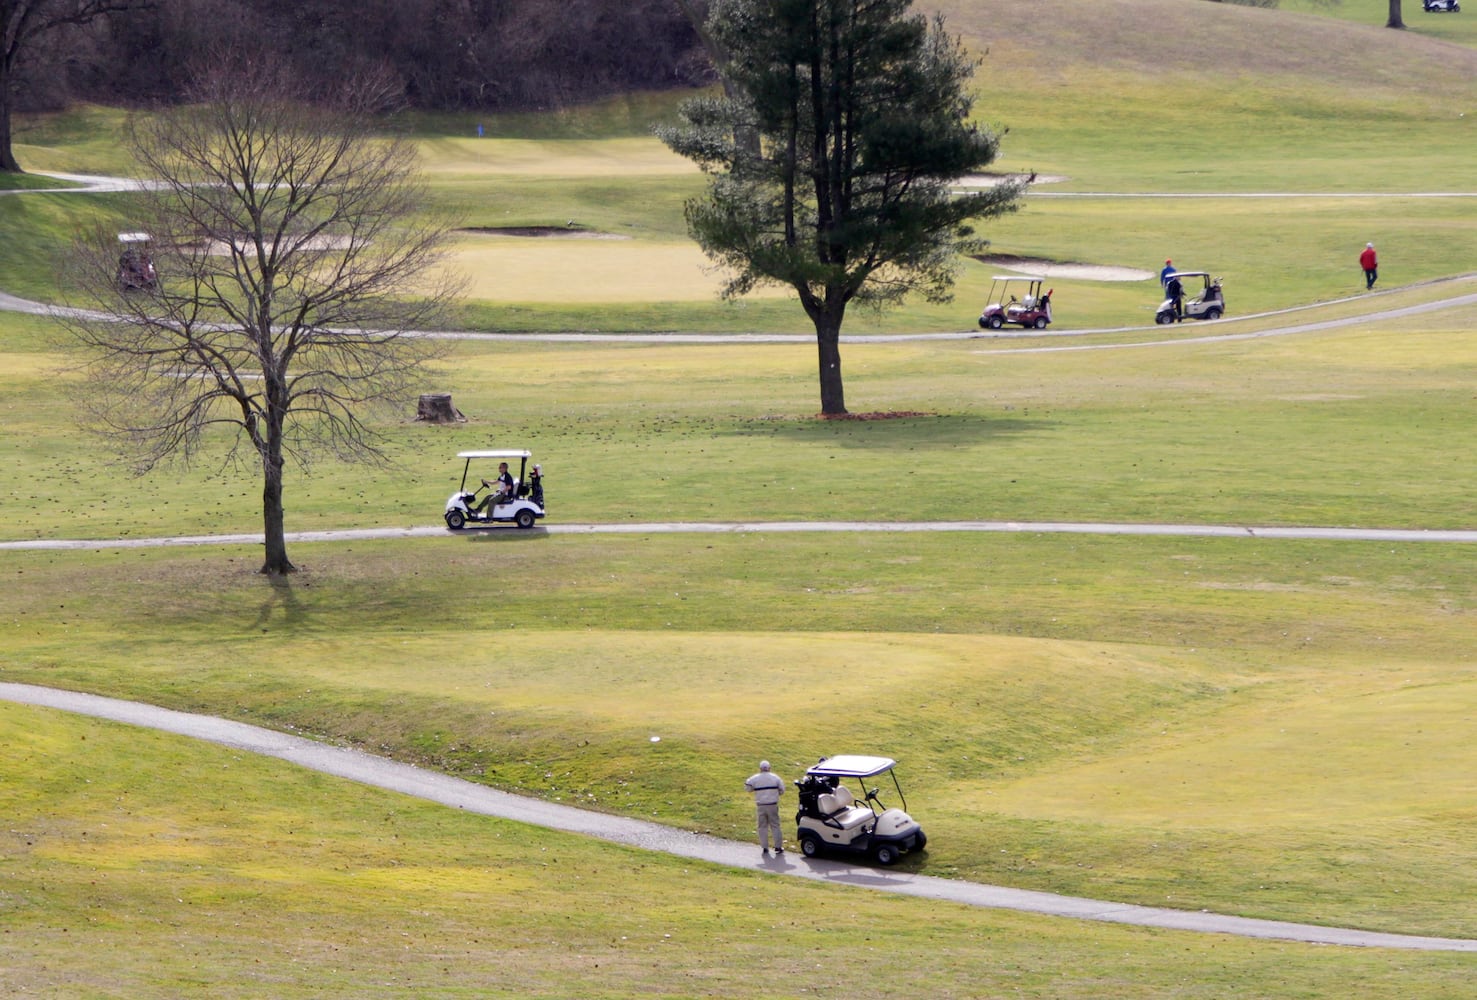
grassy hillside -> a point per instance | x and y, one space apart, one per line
1214 43
1373 13
1144 96
118 884
1118 96
1276 729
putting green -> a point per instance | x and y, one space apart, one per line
462 159
587 268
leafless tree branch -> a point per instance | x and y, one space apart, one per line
295 257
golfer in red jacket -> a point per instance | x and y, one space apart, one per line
1370 263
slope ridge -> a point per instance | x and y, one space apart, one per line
1156 38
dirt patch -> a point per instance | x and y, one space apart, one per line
569 232
1061 269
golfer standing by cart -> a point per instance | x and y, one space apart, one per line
767 788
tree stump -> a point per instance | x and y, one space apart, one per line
436 408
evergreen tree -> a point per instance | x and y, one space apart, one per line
863 112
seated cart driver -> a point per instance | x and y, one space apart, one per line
502 494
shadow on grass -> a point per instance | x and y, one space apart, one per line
926 430
281 603
502 532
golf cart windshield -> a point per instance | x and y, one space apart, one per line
504 454
1031 284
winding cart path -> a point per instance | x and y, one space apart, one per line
456 793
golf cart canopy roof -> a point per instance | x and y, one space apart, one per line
852 766
133 237
1187 274
496 453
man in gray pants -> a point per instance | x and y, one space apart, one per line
767 788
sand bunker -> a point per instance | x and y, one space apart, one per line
990 180
570 232
1061 269
219 248
1040 266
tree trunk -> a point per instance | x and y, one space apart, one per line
8 163
1395 21
828 343
274 537
436 408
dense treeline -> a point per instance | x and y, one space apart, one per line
440 54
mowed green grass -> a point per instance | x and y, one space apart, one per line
1087 715
1358 427
244 877
1374 13
1121 97
1276 729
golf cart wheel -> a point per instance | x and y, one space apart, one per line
886 854
921 842
1040 323
993 322
1164 317
810 845
524 518
455 520
1212 313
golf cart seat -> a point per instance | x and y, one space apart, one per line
839 809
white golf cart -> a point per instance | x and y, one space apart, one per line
832 817
1208 303
521 504
1018 300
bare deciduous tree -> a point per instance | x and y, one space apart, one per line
294 258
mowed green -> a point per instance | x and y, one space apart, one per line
1269 728
1351 426
1123 97
242 877
1092 716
